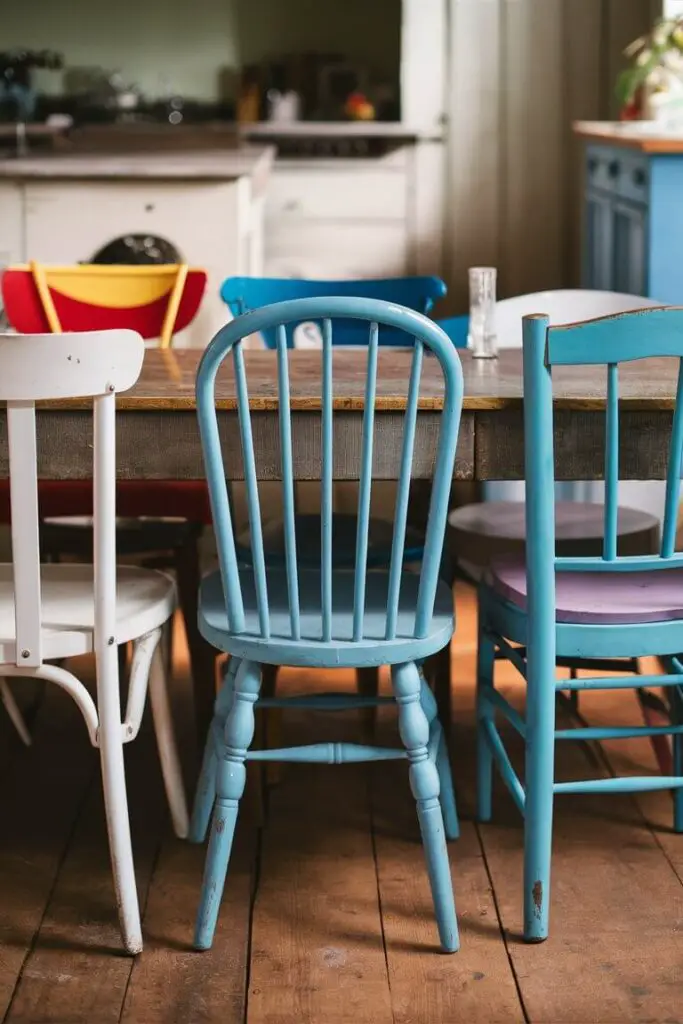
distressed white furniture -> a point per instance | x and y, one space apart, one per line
53 612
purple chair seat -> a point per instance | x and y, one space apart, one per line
598 598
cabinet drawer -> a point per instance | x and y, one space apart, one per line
619 171
338 252
332 195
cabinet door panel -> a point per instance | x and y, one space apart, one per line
597 259
628 249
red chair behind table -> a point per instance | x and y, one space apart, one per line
157 301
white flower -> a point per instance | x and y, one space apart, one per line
643 57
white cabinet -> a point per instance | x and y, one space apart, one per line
11 223
344 219
337 220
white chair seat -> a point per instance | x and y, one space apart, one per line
145 600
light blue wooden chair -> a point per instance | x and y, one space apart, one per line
324 616
589 608
245 294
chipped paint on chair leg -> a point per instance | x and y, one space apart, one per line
424 783
538 808
230 782
110 741
485 668
437 743
205 794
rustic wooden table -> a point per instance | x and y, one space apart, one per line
158 436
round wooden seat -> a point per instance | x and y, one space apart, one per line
482 532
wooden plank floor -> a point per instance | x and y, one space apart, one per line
327 917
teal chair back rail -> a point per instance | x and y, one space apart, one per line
374 316
608 341
244 294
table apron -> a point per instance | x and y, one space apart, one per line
164 444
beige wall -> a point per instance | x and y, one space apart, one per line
521 72
197 45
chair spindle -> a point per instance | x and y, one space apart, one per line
365 487
251 482
609 550
403 492
673 473
288 482
326 483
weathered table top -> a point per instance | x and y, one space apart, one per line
167 382
158 437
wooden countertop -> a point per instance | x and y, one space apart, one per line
211 165
167 383
644 136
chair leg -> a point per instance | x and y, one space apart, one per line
15 715
367 681
539 775
230 782
677 743
437 742
206 784
110 742
166 743
424 783
202 655
485 712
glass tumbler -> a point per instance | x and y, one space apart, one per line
481 339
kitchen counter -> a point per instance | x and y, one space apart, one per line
226 164
645 136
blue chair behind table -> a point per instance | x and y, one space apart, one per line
597 607
243 294
457 328
322 616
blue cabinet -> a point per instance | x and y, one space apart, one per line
633 222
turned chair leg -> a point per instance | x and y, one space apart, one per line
230 783
424 783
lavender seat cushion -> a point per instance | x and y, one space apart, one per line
605 598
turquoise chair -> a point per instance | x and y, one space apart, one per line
583 608
323 616
245 294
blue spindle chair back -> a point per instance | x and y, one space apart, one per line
244 294
608 341
375 316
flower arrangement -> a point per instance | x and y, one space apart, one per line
657 68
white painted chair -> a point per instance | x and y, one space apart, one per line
52 612
497 523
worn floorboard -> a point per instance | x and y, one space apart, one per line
317 952
327 916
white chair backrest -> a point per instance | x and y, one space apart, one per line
563 306
48 367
